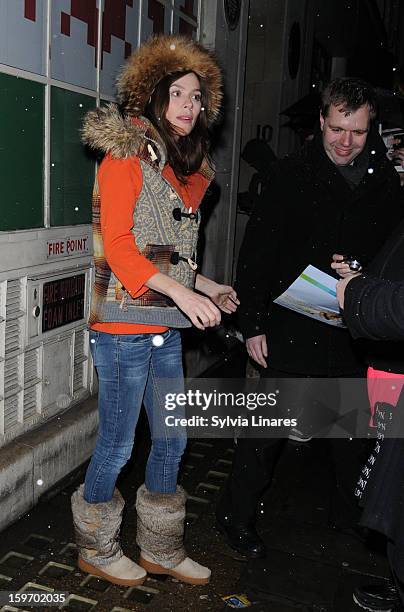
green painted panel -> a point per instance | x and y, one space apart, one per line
72 168
21 153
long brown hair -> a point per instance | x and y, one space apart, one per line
186 153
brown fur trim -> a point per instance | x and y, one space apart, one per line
163 55
105 129
160 525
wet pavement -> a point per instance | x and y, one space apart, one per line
309 566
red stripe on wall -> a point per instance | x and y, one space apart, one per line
86 10
30 9
114 22
65 24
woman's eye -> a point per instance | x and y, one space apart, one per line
197 97
175 93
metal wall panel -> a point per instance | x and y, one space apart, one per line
120 25
22 34
74 26
72 169
187 27
156 18
21 154
188 7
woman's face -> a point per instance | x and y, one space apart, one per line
184 103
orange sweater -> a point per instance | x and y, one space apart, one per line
120 183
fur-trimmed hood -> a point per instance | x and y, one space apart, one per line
106 130
159 57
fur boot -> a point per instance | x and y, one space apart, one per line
160 534
97 536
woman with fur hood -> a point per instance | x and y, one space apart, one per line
145 222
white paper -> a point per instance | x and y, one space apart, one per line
313 294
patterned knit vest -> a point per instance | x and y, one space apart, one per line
166 233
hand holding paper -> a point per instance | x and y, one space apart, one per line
314 295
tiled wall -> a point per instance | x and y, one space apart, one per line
52 70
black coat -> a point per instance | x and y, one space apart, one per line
374 306
374 309
306 213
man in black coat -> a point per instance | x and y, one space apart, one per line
338 195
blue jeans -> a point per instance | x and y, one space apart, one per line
132 369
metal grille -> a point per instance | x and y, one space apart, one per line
30 402
12 374
31 368
14 316
14 298
3 289
78 377
13 348
80 358
13 335
79 346
32 382
11 405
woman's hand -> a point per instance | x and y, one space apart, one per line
341 268
223 296
201 310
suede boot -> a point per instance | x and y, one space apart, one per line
97 536
160 535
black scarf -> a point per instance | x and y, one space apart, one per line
355 171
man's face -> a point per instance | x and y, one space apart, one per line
344 133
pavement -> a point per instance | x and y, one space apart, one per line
309 566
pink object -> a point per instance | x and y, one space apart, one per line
383 387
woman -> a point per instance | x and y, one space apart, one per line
145 220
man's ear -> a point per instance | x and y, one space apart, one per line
321 121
